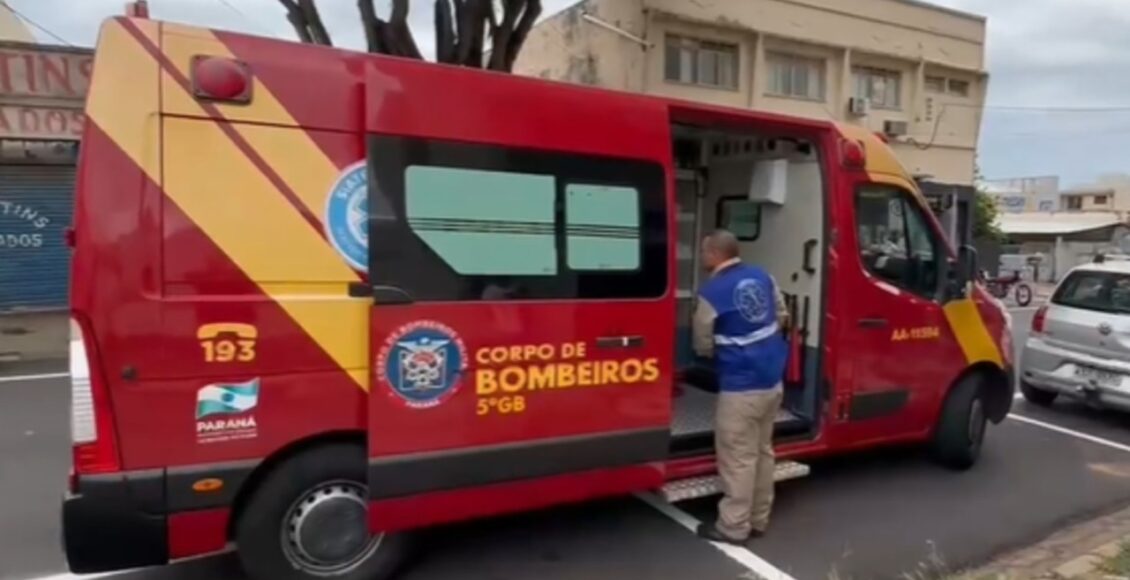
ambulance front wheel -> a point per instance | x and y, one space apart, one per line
960 431
308 520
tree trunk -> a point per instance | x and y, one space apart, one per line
445 32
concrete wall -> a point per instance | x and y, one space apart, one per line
914 39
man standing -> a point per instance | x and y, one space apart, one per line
738 324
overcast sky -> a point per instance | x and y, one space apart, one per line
1043 54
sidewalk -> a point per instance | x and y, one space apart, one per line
1095 550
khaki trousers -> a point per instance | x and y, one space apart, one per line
743 441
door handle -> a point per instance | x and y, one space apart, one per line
873 322
634 341
808 266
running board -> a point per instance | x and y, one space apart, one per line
708 485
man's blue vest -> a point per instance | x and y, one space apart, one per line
749 348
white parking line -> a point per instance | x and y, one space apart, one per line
72 577
761 569
1071 432
40 377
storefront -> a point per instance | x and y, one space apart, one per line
42 89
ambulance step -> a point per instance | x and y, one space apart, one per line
708 485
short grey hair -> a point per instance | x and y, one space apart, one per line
724 242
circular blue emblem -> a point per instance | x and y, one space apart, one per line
752 300
422 363
347 216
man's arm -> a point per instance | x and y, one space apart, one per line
782 308
703 328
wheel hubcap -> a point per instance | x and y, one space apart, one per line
326 531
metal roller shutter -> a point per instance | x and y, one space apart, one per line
36 204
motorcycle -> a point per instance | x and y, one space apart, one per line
1002 285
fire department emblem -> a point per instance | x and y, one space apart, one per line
752 300
347 216
422 363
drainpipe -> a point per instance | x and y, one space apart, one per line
614 29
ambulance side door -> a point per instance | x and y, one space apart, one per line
894 322
522 326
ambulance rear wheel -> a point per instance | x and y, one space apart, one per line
960 431
308 520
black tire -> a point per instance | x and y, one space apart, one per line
1023 295
960 431
261 535
1037 396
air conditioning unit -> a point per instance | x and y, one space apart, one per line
859 107
894 128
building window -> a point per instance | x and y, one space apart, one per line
701 62
935 84
1100 200
460 222
795 76
1073 202
880 86
958 88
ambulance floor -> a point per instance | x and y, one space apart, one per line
693 412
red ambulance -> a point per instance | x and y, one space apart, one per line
323 298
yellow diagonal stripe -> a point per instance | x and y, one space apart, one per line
123 99
971 333
236 206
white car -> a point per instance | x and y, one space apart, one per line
1079 345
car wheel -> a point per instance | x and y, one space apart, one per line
1037 396
309 520
960 431
1023 295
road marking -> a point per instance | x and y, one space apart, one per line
73 576
1023 308
1071 432
760 568
39 377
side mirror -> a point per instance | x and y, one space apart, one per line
964 271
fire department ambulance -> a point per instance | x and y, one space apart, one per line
322 298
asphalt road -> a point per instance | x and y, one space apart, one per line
873 516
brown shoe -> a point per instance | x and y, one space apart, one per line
709 532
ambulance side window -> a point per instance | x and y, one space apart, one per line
485 222
896 243
602 227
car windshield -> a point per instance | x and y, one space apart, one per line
1102 291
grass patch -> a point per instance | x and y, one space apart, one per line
1118 564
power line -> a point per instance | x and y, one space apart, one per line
43 29
1043 109
244 15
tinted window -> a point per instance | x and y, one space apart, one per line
454 221
1102 291
896 241
740 216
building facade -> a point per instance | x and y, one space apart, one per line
1024 194
1108 193
42 94
910 70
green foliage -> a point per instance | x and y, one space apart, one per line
985 214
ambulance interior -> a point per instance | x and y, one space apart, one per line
769 192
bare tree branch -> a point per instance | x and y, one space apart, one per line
314 21
369 23
500 35
480 10
529 18
445 32
398 28
297 20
